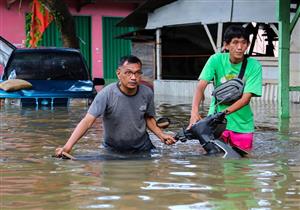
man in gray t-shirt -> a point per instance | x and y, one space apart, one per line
124 117
127 109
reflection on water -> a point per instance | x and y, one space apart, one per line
175 177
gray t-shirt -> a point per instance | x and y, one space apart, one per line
124 117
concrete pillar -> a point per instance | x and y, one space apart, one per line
283 11
158 54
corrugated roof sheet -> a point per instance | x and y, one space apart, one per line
138 17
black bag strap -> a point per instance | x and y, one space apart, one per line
243 67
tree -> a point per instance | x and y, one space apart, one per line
64 20
43 12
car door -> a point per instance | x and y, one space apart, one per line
6 49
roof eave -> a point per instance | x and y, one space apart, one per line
139 17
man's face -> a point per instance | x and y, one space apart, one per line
237 48
130 75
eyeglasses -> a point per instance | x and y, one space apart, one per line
136 74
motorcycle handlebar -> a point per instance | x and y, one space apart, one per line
188 134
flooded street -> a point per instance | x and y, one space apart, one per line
176 177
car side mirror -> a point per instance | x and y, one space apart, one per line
163 122
98 81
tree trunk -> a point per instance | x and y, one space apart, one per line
64 20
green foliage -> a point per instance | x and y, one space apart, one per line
58 18
28 27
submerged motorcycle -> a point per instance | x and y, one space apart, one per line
208 131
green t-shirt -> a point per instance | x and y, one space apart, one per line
220 69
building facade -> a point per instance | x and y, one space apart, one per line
95 25
188 32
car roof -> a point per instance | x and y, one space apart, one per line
47 49
7 50
46 63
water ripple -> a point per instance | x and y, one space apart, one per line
175 186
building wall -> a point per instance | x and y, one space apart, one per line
295 56
270 66
186 88
12 24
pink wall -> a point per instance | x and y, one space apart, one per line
12 24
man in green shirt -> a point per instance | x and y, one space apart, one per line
222 67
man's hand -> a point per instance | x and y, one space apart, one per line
167 139
194 118
197 99
61 153
60 150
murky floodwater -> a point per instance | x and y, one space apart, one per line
175 177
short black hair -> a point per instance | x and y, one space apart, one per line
235 31
129 59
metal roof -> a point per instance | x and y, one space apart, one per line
138 17
139 35
155 14
213 11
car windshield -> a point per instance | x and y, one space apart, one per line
47 65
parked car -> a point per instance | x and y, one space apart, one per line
56 74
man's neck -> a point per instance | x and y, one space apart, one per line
126 91
236 61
